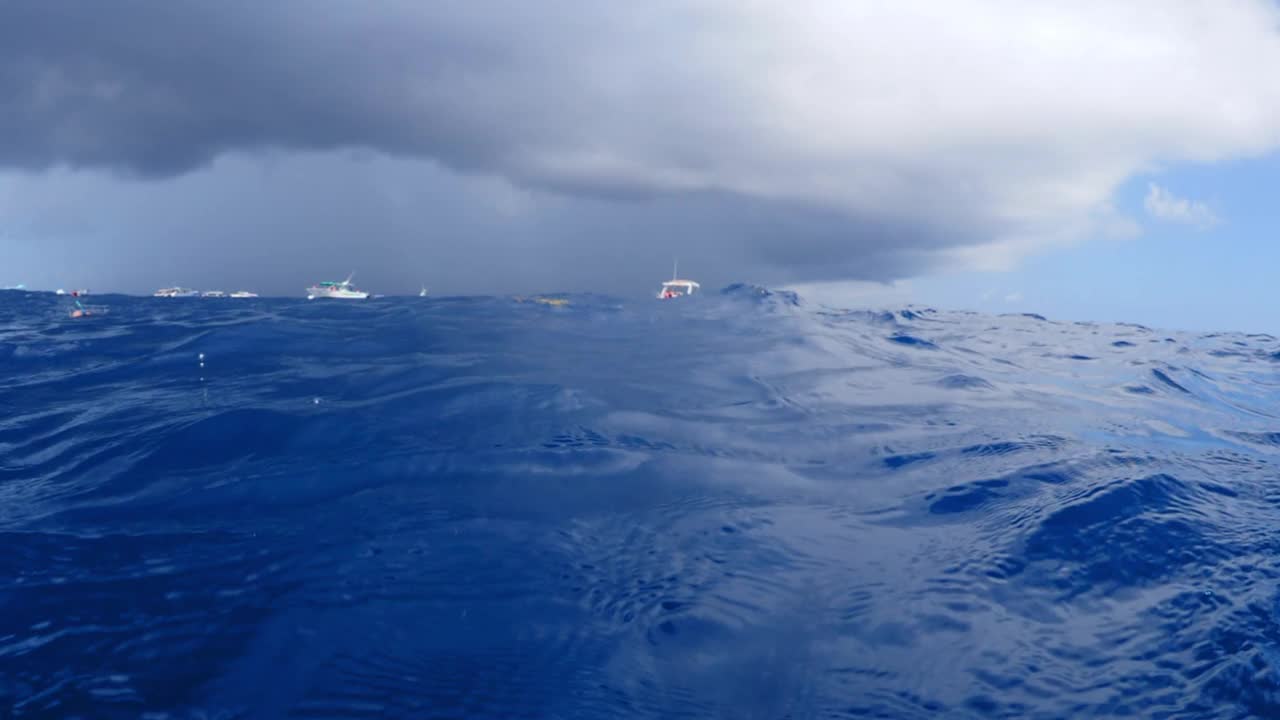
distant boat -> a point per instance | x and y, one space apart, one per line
243 294
214 294
423 292
79 293
337 290
60 291
15 287
675 287
176 292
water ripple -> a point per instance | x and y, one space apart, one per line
741 506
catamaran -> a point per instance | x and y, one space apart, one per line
675 287
176 292
338 290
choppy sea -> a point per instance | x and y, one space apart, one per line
740 505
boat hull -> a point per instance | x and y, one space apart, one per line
323 294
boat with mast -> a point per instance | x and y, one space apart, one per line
675 287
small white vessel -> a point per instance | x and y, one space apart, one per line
675 287
214 294
337 290
423 292
176 292
243 294
60 291
79 293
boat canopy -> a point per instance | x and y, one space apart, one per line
335 284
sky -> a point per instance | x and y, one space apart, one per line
1081 159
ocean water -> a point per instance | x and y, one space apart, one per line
741 505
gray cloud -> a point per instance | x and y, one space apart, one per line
277 224
578 145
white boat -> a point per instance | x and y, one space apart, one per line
79 293
423 292
176 292
675 287
243 294
337 290
15 287
214 294
60 291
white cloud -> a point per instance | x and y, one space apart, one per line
1013 297
1164 205
1007 125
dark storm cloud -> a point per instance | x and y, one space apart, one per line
163 87
401 222
839 139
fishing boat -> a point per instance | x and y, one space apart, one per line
675 287
243 294
173 292
337 290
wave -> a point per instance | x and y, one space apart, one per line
740 504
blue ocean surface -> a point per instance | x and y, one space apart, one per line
737 505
